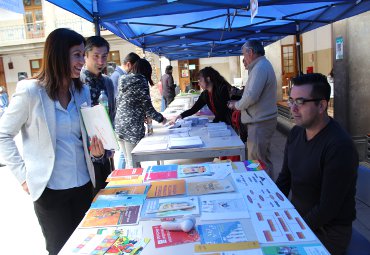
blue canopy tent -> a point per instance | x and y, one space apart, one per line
207 28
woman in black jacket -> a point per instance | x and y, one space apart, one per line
216 94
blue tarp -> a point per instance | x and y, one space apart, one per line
13 5
206 28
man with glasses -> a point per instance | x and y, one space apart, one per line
258 104
320 165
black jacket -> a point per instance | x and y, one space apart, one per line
133 104
220 98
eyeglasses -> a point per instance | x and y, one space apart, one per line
301 101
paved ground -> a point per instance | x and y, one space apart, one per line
21 230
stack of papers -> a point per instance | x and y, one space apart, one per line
185 142
218 130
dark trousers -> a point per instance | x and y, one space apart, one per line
59 212
167 101
335 238
102 170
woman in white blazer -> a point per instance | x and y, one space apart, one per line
56 168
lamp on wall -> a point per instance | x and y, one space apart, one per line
10 64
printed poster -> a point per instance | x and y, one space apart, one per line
281 226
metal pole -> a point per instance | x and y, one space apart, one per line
96 18
298 49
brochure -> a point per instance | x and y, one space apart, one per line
296 249
161 172
184 171
170 207
97 123
128 190
254 165
166 188
223 207
112 216
164 238
227 232
104 201
209 187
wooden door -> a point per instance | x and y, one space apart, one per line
2 74
289 66
184 74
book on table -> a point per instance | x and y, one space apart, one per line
160 172
209 187
164 238
127 190
184 171
170 207
104 201
102 217
129 173
166 188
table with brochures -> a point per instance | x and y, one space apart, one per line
157 147
237 208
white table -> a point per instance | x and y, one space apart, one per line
213 147
189 247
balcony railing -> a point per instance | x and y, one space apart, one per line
37 30
14 33
81 26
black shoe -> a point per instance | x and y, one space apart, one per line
1 165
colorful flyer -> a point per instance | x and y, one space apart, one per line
170 207
227 232
184 171
296 249
254 165
166 188
164 238
111 216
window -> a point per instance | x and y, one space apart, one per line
35 65
113 56
33 19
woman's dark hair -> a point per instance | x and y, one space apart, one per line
143 67
168 69
215 77
56 66
131 57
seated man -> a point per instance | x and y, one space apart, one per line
320 165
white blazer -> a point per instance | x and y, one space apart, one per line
32 112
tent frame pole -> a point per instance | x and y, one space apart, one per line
298 49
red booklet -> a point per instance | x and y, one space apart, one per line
163 238
129 173
161 172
